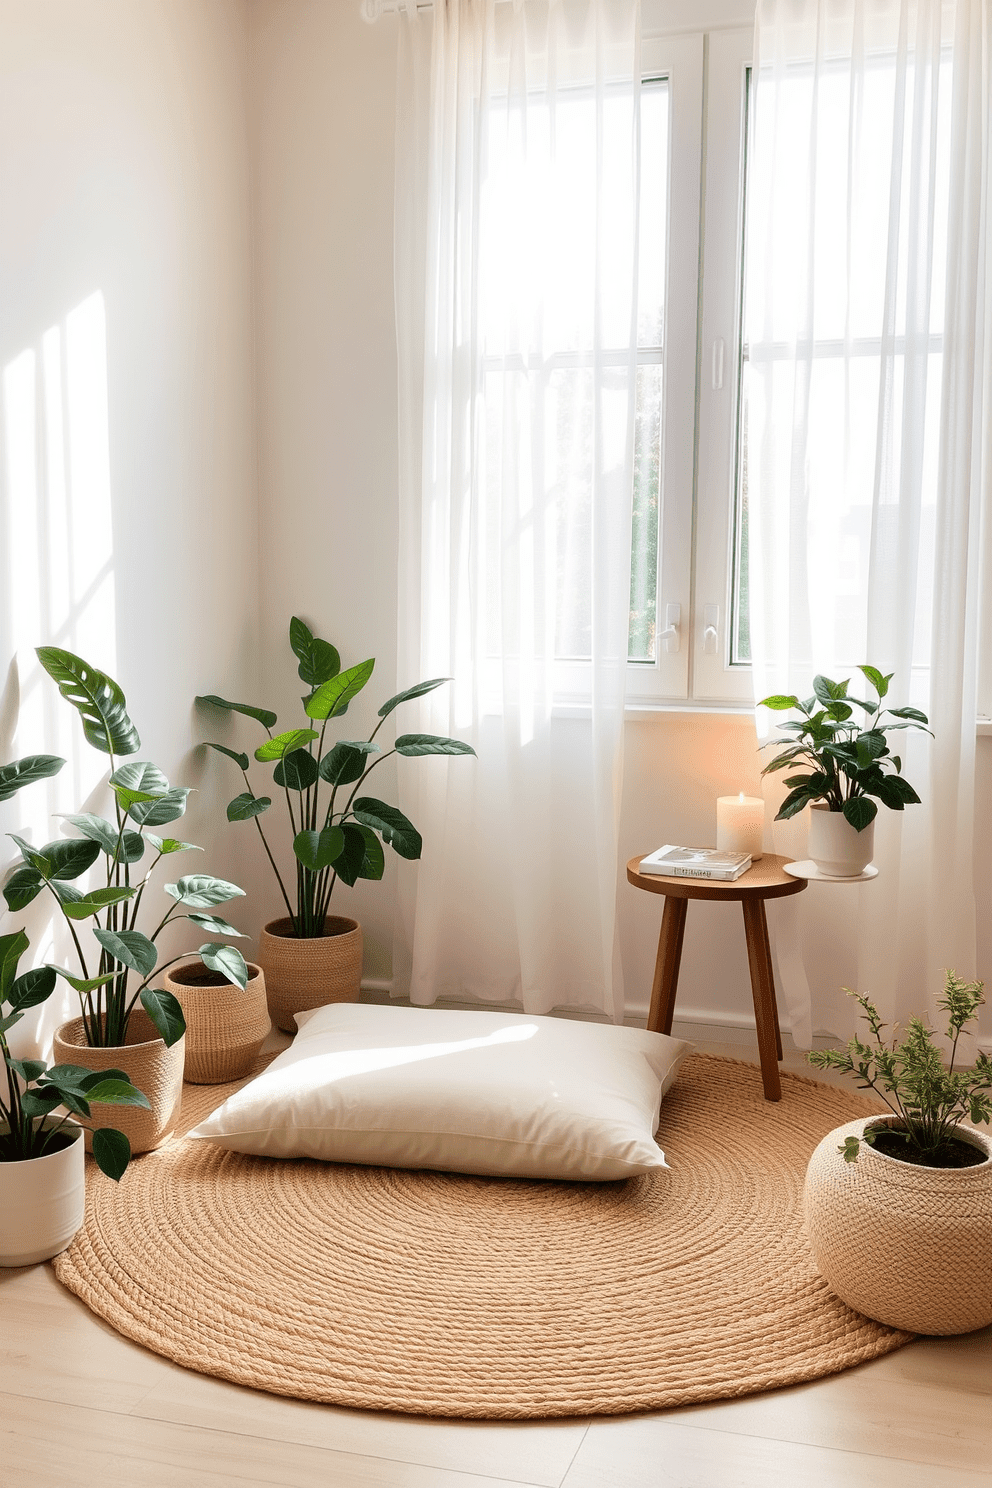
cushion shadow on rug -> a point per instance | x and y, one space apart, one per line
447 1295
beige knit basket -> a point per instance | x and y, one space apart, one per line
905 1245
225 1026
156 1070
304 974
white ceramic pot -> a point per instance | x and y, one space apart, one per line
42 1201
906 1245
833 844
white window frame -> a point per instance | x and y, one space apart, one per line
714 676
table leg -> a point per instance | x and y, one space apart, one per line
763 992
666 966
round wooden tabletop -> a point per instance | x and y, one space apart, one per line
765 879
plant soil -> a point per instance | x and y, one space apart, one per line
58 1143
954 1154
202 976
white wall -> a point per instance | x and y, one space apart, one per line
128 520
322 108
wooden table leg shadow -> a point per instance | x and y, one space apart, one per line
764 880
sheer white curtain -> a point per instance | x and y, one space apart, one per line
516 275
868 403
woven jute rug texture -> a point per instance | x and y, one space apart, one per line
446 1295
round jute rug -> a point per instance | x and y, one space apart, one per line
447 1295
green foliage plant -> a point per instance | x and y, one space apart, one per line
846 755
929 1099
34 1090
116 973
337 833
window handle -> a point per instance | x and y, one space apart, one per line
717 368
670 636
711 631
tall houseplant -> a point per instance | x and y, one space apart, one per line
846 766
337 833
114 975
42 1178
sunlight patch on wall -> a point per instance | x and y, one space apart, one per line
56 566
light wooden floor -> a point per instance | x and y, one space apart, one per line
81 1407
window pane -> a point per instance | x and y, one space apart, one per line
542 267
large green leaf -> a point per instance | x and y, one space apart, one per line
227 960
411 692
215 925
913 714
129 947
334 696
82 984
23 771
317 850
140 776
166 808
98 829
245 806
860 812
241 760
116 1092
264 716
112 1152
23 885
413 744
12 948
69 857
94 902
389 821
165 1012
362 856
200 890
96 697
274 749
296 771
32 988
347 761
319 660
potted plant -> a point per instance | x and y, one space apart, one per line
41 1153
118 1005
311 957
226 1024
899 1206
849 763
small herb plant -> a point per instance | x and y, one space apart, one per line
143 798
929 1100
335 831
849 755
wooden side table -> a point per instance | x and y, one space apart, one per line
764 880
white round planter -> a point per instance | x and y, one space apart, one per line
834 845
41 1203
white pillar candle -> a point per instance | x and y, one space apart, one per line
740 824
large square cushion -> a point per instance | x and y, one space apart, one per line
467 1092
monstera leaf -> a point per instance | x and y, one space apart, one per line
96 697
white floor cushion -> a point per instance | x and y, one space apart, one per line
467 1092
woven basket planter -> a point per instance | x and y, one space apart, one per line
225 1026
155 1068
303 974
905 1245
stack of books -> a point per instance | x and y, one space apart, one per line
696 862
